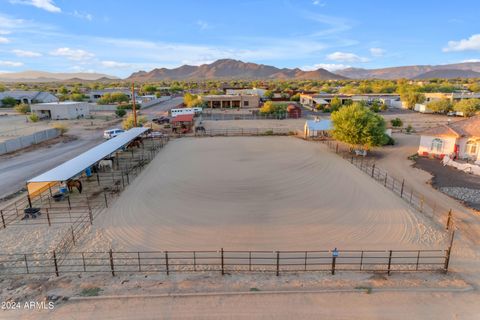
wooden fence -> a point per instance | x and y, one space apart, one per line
226 261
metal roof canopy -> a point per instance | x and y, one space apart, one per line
76 165
320 125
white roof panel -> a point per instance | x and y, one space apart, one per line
322 125
76 165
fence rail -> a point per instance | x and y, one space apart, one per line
228 132
400 187
226 261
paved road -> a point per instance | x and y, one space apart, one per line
161 108
16 170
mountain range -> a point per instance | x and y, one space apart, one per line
232 69
455 70
42 76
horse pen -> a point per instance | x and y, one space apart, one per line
64 217
275 203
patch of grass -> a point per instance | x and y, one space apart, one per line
269 133
254 289
90 292
413 157
368 290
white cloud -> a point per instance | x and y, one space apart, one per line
471 60
4 32
377 52
4 40
203 25
10 63
72 54
472 43
326 66
346 57
319 3
83 15
115 64
26 54
47 5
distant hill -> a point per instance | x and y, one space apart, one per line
231 69
411 72
42 76
448 74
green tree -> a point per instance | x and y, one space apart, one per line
440 105
127 123
410 96
271 107
268 94
358 126
22 108
62 90
2 88
295 97
148 88
335 104
77 97
467 106
397 122
9 102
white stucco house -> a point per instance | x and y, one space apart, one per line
317 128
66 110
28 97
458 140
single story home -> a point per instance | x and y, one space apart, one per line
232 101
95 95
324 99
61 110
253 91
317 128
28 97
458 140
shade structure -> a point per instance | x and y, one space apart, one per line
73 167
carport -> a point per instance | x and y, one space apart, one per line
77 165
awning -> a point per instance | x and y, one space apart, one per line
78 164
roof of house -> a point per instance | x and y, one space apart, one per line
183 118
76 165
21 94
464 128
319 125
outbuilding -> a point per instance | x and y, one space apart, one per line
294 111
317 128
61 110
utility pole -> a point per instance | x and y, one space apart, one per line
134 109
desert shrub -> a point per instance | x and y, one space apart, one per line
22 108
90 292
397 122
62 127
33 117
120 112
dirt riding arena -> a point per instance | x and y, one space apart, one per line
259 193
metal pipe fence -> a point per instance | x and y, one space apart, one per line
399 186
228 132
222 261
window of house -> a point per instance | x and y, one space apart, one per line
437 145
245 103
471 147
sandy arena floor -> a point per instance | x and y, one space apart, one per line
259 193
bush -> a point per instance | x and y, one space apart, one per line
120 112
409 129
90 292
61 127
389 141
397 122
9 102
22 108
128 121
33 117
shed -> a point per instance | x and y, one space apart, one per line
294 111
182 123
61 110
317 128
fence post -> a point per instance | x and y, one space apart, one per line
166 263
73 235
449 219
333 264
26 263
361 261
194 261
83 260
221 255
111 262
278 263
418 260
411 196
336 148
352 159
90 216
139 264
421 203
98 178
55 263
401 191
389 261
48 217
385 185
3 219
306 254
449 251
128 178
105 197
373 170
249 260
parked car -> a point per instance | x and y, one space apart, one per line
154 134
161 120
112 133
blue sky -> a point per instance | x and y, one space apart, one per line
120 37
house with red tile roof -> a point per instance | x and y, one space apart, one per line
459 140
